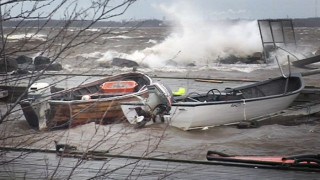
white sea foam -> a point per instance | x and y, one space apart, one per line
120 37
151 41
108 56
197 40
91 55
32 36
202 42
93 30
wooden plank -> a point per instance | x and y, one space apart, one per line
209 80
96 109
99 115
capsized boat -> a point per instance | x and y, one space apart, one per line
232 105
97 101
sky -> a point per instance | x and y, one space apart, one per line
227 9
209 9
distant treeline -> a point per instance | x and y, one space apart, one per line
83 23
305 22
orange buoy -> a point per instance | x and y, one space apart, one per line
118 86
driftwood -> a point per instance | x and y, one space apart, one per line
303 62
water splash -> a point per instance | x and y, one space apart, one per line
198 40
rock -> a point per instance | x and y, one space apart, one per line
26 66
21 71
229 60
41 60
12 65
191 65
256 55
24 59
120 62
254 58
52 67
105 64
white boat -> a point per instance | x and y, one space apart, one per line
216 107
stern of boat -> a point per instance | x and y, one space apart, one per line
129 110
35 106
35 112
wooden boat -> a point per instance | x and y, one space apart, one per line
216 107
83 104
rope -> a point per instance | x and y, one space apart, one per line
244 109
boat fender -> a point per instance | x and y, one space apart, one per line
86 97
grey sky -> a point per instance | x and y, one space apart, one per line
209 9
253 9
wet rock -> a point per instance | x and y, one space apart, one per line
229 60
120 62
52 67
21 71
191 65
24 59
255 58
11 64
26 66
41 60
105 64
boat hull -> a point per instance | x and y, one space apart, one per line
231 105
194 115
73 113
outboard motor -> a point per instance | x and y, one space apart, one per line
36 104
38 90
156 105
